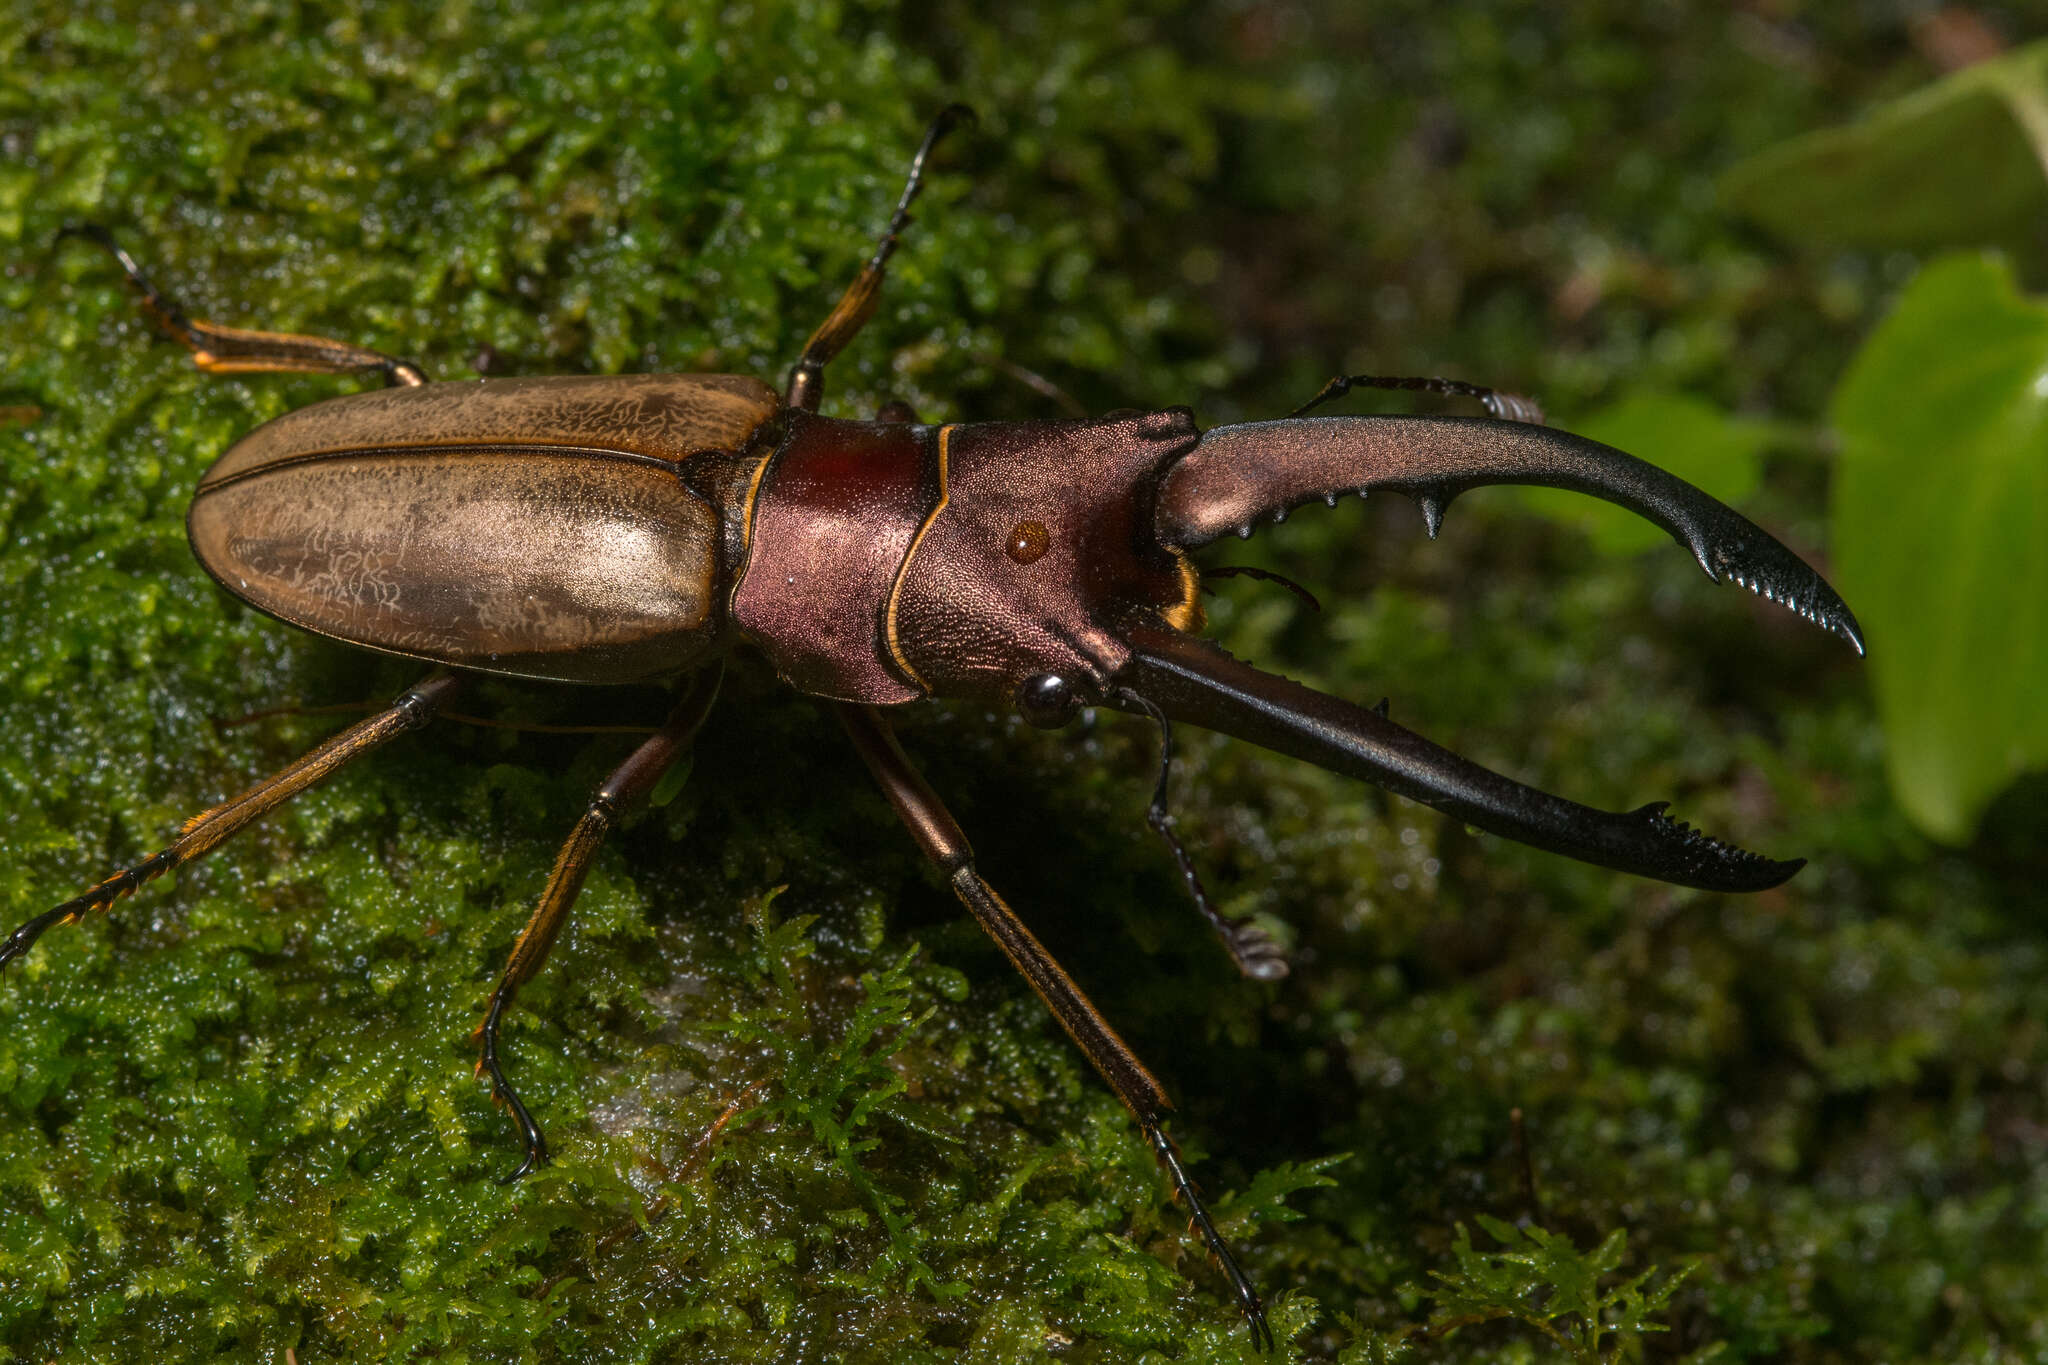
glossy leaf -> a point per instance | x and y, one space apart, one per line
1939 504
1957 162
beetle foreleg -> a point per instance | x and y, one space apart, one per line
857 304
235 350
940 836
1256 955
631 781
205 831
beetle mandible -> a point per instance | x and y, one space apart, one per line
614 529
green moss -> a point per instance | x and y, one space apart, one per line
803 1110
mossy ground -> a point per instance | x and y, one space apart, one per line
803 1111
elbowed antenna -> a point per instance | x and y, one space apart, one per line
1194 681
1238 476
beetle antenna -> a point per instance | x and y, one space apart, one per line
1264 576
950 117
1509 407
806 382
1255 954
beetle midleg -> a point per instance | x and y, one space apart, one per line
1512 407
203 832
235 350
943 842
857 304
629 782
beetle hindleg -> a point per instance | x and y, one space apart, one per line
857 304
235 350
1512 407
943 842
631 781
203 832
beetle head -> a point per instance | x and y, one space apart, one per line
1041 548
1058 576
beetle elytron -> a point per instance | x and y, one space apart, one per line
612 529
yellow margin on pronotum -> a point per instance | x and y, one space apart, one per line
747 524
896 588
754 496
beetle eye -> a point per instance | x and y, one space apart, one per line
1028 540
1047 701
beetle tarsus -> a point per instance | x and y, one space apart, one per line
24 937
1251 948
1247 1296
1036 382
237 350
503 1093
100 895
168 314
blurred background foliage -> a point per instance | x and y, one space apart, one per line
1506 1107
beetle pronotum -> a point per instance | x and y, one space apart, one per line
1042 565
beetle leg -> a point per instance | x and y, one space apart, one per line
203 832
857 304
630 782
237 350
943 842
1255 954
1512 407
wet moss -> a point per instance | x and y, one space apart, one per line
803 1111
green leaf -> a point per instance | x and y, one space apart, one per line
671 783
1956 163
1938 511
1676 432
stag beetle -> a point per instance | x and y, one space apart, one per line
614 529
